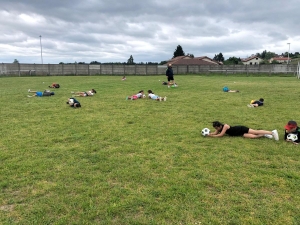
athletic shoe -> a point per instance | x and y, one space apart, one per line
28 90
275 135
165 98
268 136
250 106
160 99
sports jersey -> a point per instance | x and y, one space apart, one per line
153 96
75 101
139 95
88 93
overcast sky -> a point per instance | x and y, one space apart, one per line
149 30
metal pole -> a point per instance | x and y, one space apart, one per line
41 48
289 53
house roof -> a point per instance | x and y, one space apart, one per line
188 60
249 58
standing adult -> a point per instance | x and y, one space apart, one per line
170 75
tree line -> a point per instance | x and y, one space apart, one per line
265 55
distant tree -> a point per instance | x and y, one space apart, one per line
61 63
267 55
263 54
232 61
286 54
16 61
296 55
275 62
264 62
215 58
163 62
81 63
130 60
219 57
192 55
178 52
95 62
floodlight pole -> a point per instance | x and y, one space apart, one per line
41 48
289 53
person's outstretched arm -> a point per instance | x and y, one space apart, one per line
221 134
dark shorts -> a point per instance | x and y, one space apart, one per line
170 78
259 103
237 131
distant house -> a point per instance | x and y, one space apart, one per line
280 59
253 60
188 60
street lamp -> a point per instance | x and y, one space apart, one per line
289 53
41 48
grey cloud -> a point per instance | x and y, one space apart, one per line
150 30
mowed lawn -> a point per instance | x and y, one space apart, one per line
145 162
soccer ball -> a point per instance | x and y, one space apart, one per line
144 96
205 132
71 101
292 137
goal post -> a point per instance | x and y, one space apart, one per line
298 70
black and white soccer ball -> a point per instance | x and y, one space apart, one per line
205 131
292 137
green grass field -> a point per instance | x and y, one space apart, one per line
145 162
